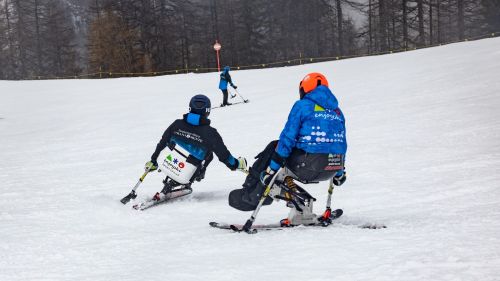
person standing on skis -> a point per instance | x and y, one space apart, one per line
225 78
312 145
194 135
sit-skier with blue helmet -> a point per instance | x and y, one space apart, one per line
311 148
225 78
189 143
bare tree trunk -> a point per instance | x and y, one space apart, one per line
38 39
185 41
431 23
98 9
370 29
98 13
21 38
382 25
461 29
393 27
421 31
215 19
340 28
439 21
9 38
232 37
405 23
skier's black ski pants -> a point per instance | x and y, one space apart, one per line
225 96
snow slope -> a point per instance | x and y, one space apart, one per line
423 159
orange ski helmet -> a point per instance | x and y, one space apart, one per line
310 82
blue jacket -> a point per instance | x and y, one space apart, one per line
315 124
225 78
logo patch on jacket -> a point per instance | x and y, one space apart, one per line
318 108
335 162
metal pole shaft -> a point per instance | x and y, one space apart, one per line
218 61
268 189
141 179
240 95
330 191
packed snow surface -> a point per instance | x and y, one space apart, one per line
423 159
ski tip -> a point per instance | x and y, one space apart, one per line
213 224
338 213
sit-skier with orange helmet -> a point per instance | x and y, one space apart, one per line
311 148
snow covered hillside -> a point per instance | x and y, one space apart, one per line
423 159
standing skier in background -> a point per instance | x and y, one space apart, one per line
190 142
311 148
225 78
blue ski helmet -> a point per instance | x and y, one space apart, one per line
227 68
200 104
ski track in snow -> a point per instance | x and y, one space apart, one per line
423 159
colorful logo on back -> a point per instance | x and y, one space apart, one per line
176 161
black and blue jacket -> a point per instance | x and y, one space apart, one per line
194 134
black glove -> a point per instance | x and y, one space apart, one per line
267 175
234 87
339 178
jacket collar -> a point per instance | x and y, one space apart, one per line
196 119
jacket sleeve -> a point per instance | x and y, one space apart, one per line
163 143
228 78
288 136
220 149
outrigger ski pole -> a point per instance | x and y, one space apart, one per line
244 100
325 218
248 225
132 194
